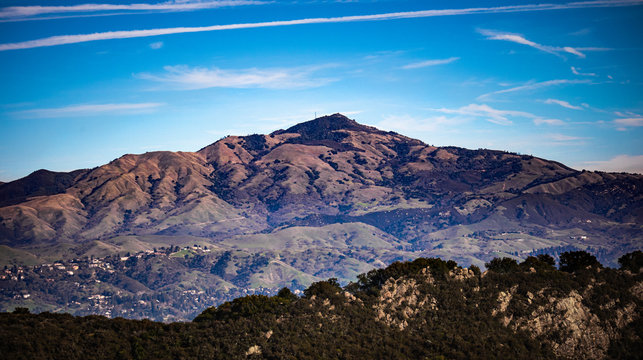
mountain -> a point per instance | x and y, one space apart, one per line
424 309
38 183
325 198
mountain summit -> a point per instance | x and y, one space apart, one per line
321 127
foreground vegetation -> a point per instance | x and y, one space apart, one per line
426 308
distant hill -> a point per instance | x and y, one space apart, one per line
38 183
325 198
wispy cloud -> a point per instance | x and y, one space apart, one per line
542 121
72 39
183 77
619 163
575 51
520 39
533 86
497 116
564 138
88 110
25 12
622 124
576 71
593 48
384 54
563 103
156 45
426 63
407 123
581 32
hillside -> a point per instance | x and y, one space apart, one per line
325 198
427 308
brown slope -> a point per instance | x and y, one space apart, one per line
615 196
39 183
141 194
320 172
348 168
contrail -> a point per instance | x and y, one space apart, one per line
73 39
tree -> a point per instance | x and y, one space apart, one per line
632 261
285 293
246 307
475 269
541 262
323 289
547 259
572 261
504 265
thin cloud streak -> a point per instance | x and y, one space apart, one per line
576 71
519 39
406 123
533 86
156 45
87 110
183 77
427 63
73 39
594 49
555 122
26 11
564 138
629 122
563 103
497 116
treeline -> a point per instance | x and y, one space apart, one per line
334 322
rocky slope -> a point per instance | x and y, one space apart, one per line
427 308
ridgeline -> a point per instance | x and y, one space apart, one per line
422 309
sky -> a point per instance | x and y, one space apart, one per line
83 83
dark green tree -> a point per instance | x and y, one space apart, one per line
285 293
504 265
541 262
324 289
475 269
572 261
632 261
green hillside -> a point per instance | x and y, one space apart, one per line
424 309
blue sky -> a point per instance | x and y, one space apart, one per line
85 83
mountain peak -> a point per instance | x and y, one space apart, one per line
321 126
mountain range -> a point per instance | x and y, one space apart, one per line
325 198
